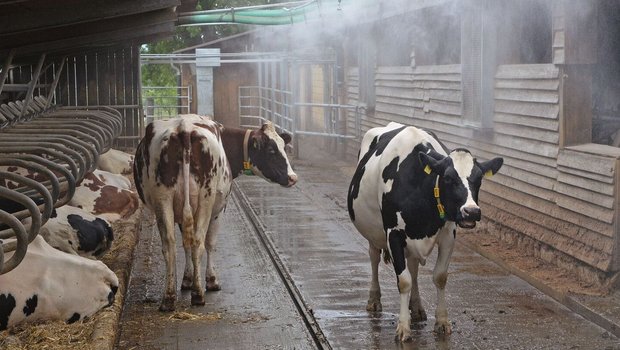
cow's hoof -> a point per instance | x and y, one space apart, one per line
403 332
167 305
198 299
212 284
186 284
442 328
374 306
418 315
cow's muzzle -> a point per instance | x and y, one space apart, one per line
469 216
292 179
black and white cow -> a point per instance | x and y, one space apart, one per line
76 231
52 285
407 195
183 172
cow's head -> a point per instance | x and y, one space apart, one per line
268 156
460 177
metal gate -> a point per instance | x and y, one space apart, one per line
165 101
300 96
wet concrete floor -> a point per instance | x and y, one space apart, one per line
328 262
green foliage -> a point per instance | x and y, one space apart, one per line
164 75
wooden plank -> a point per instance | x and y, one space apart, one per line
528 146
527 96
394 109
438 77
587 175
584 250
396 101
385 91
531 177
591 210
393 77
597 149
587 162
394 70
525 187
444 107
550 111
585 183
527 132
585 195
394 83
438 69
528 71
439 85
540 123
528 84
445 95
547 210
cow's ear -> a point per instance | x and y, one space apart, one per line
491 167
286 137
431 165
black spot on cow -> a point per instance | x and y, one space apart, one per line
74 318
411 195
376 148
397 241
91 234
7 304
31 305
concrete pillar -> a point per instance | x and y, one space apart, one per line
206 59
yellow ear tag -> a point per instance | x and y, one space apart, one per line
427 169
489 173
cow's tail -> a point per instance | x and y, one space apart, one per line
188 216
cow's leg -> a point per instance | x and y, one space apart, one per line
445 242
188 271
415 302
165 224
374 298
211 276
195 240
397 243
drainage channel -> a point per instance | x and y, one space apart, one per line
262 232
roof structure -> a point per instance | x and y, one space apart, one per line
64 27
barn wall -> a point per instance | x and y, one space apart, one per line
558 202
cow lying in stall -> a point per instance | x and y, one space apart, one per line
105 195
51 285
407 195
183 172
116 162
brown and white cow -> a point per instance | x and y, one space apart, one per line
52 285
183 171
116 162
103 199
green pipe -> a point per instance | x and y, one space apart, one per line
228 18
260 17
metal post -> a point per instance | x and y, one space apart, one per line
260 90
33 82
5 68
295 122
57 74
273 84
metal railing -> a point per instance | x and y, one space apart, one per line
259 104
166 101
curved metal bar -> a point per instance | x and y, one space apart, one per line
79 125
60 130
90 155
75 156
37 168
43 193
20 246
27 203
42 150
68 185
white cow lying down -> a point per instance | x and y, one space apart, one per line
52 285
